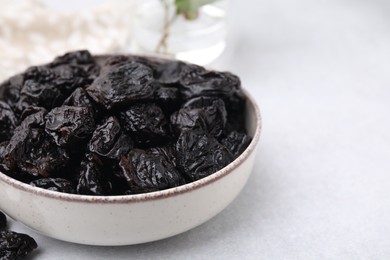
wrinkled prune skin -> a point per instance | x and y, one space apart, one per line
167 152
146 123
199 155
236 142
31 150
10 89
108 140
78 124
147 172
15 245
169 72
208 114
3 147
196 81
168 98
8 121
32 110
3 221
122 85
92 180
54 184
78 98
69 125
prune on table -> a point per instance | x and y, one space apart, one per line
146 172
8 121
54 184
3 220
109 141
92 180
31 150
199 154
15 245
70 125
123 84
236 142
146 123
206 113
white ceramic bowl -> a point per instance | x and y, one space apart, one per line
130 219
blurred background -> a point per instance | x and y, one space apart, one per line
320 71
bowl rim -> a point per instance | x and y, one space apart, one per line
124 199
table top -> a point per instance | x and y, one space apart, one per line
320 71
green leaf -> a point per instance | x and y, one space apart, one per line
190 7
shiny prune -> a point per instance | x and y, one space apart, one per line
236 142
92 180
31 150
54 184
146 123
146 172
169 72
196 81
108 140
199 154
3 147
69 125
78 124
208 114
15 245
8 121
123 84
3 220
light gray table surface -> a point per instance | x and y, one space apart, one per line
320 189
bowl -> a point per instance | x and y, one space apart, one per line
131 219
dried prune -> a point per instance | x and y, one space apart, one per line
92 180
146 123
7 121
122 85
78 98
147 172
200 154
196 81
3 147
10 89
204 113
31 150
236 142
54 184
109 141
3 220
169 72
70 125
15 245
78 124
168 98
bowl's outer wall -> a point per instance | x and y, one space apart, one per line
125 223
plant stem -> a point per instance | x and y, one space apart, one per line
162 46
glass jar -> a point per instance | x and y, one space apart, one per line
196 34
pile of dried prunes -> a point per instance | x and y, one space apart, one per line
119 125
